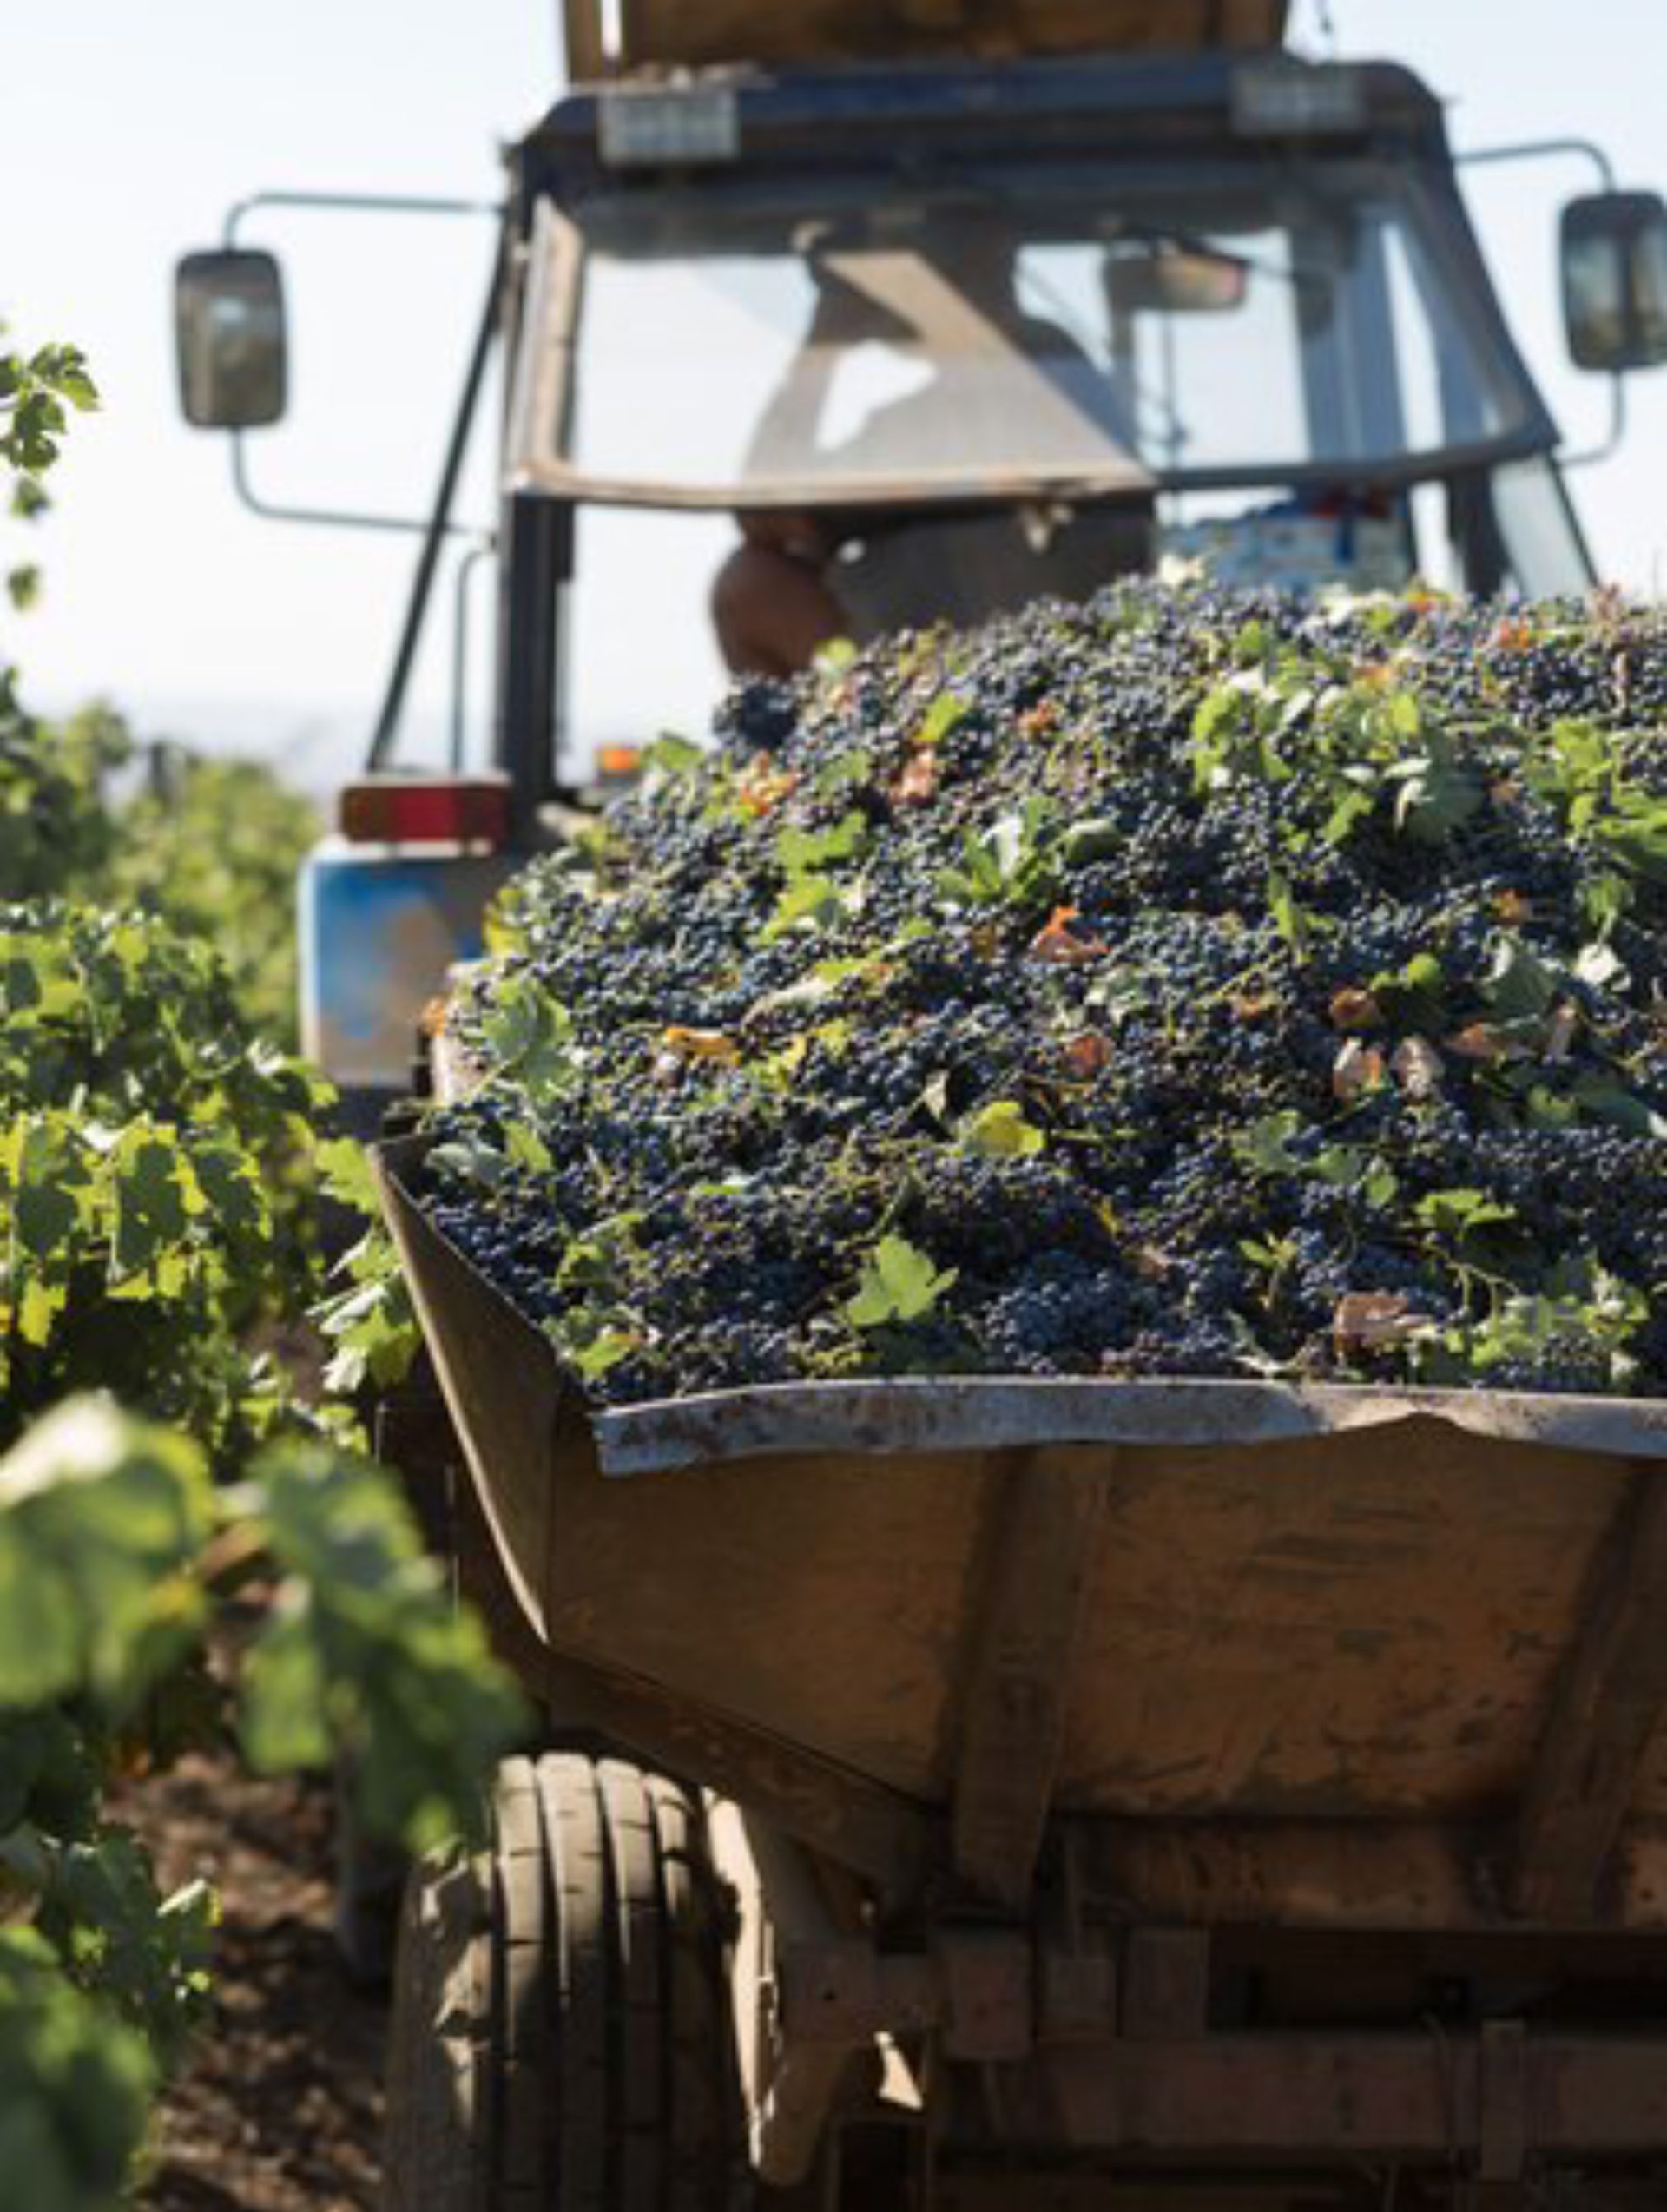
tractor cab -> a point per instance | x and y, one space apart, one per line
937 306
1201 307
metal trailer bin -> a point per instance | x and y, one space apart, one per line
978 1793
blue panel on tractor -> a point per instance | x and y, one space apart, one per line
380 926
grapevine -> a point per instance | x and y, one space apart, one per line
210 1558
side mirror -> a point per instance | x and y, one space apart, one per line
1614 255
229 332
1174 280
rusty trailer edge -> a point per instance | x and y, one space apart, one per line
959 1413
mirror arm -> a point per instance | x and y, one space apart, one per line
1542 150
463 576
271 510
1616 433
369 203
1585 149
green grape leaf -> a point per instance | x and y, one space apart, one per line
806 899
1459 1214
1000 1131
151 1199
528 1035
1267 1145
807 853
1609 1101
846 771
49 1177
148 1953
371 1325
1294 923
38 1308
344 1166
102 1517
76 2084
946 713
1520 985
228 1186
1084 843
364 1653
1412 997
596 1346
898 1283
670 756
1438 792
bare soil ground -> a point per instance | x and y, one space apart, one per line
281 2108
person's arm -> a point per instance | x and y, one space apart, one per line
794 531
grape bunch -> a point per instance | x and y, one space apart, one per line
1182 983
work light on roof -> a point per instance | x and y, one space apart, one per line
1276 97
667 126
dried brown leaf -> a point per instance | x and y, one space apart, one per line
1373 1321
1560 1031
764 786
1355 1009
1418 1068
1480 1041
701 1044
1358 1068
1060 947
917 785
1086 1055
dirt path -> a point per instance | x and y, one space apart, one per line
280 2110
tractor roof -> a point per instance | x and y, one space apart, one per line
608 41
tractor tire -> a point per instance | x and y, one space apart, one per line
560 2038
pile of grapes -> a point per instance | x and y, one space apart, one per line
1182 984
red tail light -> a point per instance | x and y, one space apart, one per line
436 810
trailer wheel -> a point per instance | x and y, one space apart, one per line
560 2038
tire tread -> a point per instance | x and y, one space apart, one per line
560 2038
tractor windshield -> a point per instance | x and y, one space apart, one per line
1295 321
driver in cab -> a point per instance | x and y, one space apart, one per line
941 317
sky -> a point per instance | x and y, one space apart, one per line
138 126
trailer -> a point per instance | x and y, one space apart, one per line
967 1792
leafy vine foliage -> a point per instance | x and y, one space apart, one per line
38 391
161 1167
158 1161
89 813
